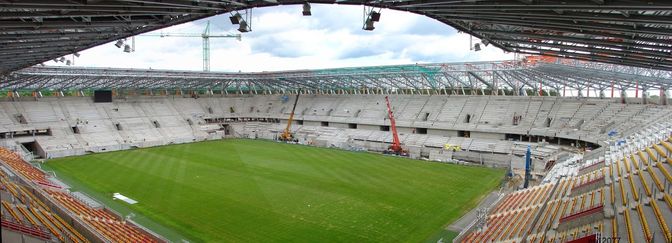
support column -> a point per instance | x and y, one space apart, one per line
587 91
645 96
602 94
612 89
624 96
663 96
564 89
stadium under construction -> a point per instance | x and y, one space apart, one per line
569 142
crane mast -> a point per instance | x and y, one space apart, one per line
206 41
396 144
287 134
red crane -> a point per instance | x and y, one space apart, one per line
396 144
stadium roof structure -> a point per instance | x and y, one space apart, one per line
625 32
532 73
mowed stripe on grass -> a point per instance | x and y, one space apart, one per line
262 191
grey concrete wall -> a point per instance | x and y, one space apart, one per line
488 135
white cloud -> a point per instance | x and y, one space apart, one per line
283 39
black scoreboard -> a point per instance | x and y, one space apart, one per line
102 96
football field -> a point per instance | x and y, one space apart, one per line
261 191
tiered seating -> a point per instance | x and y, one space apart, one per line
528 197
35 232
34 212
645 224
102 220
547 213
10 209
576 233
628 226
79 208
22 167
37 214
633 189
660 151
614 228
642 180
48 225
506 226
661 221
631 175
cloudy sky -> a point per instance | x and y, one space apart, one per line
283 39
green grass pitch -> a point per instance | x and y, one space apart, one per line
263 191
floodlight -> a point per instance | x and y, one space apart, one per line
62 59
306 9
68 62
76 54
236 18
375 16
485 42
369 25
243 27
56 60
127 48
119 43
477 47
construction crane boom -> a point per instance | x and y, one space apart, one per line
287 133
206 41
396 143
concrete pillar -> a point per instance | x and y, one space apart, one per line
624 96
645 96
602 94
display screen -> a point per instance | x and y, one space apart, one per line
100 96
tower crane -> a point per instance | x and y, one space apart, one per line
287 133
395 147
206 41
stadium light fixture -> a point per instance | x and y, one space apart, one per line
236 18
62 59
243 27
127 48
477 47
306 9
77 54
370 16
68 62
369 25
485 42
242 20
375 16
119 43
